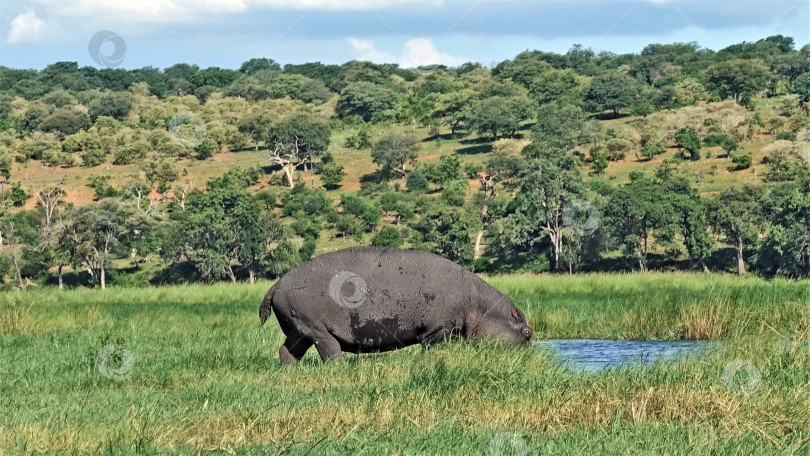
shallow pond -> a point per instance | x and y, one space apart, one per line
592 355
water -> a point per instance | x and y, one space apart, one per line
591 355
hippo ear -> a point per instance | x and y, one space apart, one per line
515 313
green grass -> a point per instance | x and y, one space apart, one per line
206 376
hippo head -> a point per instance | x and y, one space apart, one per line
503 322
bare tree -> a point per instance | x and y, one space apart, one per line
180 194
289 157
49 198
11 239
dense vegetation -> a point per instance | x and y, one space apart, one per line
204 376
530 188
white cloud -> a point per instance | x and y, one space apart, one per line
422 51
25 28
416 52
365 50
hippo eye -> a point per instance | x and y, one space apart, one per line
515 314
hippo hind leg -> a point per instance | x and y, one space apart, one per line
293 349
328 347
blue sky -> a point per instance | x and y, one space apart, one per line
34 33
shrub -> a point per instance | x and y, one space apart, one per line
729 145
332 174
388 236
93 157
741 161
618 148
786 136
653 148
509 146
715 139
417 181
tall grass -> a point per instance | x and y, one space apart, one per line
206 376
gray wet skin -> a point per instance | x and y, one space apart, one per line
370 299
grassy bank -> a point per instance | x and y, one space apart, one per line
205 376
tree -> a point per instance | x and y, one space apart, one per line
637 211
446 230
801 87
332 174
365 99
599 163
790 66
66 121
558 86
111 104
221 226
49 198
161 171
558 127
101 185
737 79
447 170
213 76
737 213
741 161
388 236
255 228
453 108
690 217
524 68
295 141
499 168
205 149
11 234
653 148
496 115
98 233
256 125
256 64
689 138
417 181
393 151
611 92
314 91
787 249
545 186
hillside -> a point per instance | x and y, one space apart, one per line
676 158
710 175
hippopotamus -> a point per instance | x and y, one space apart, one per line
374 299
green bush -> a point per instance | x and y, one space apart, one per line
786 136
741 161
388 236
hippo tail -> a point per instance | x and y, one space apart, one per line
266 308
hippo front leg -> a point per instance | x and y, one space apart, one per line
435 336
